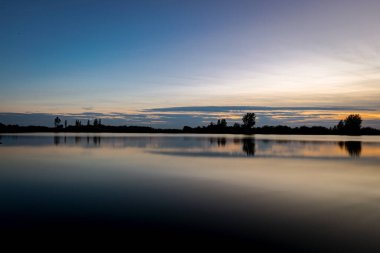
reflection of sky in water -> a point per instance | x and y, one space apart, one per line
307 203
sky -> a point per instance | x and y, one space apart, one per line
166 63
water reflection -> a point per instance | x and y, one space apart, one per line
353 148
96 140
249 146
57 140
201 146
280 190
221 142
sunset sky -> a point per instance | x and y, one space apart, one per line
164 63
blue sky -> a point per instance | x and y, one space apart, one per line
128 57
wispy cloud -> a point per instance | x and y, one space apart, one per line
177 117
252 108
88 108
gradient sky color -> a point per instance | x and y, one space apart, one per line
132 58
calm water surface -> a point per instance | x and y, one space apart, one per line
276 193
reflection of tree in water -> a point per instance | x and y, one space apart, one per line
353 148
57 140
249 146
96 140
221 142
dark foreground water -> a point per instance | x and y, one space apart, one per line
273 193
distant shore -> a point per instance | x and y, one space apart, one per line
304 130
351 125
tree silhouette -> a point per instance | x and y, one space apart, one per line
97 122
57 122
221 123
340 126
249 120
353 123
78 123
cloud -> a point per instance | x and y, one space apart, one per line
251 108
88 108
177 117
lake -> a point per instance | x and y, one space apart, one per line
271 192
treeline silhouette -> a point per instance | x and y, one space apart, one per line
79 127
351 125
281 129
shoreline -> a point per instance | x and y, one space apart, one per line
180 132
